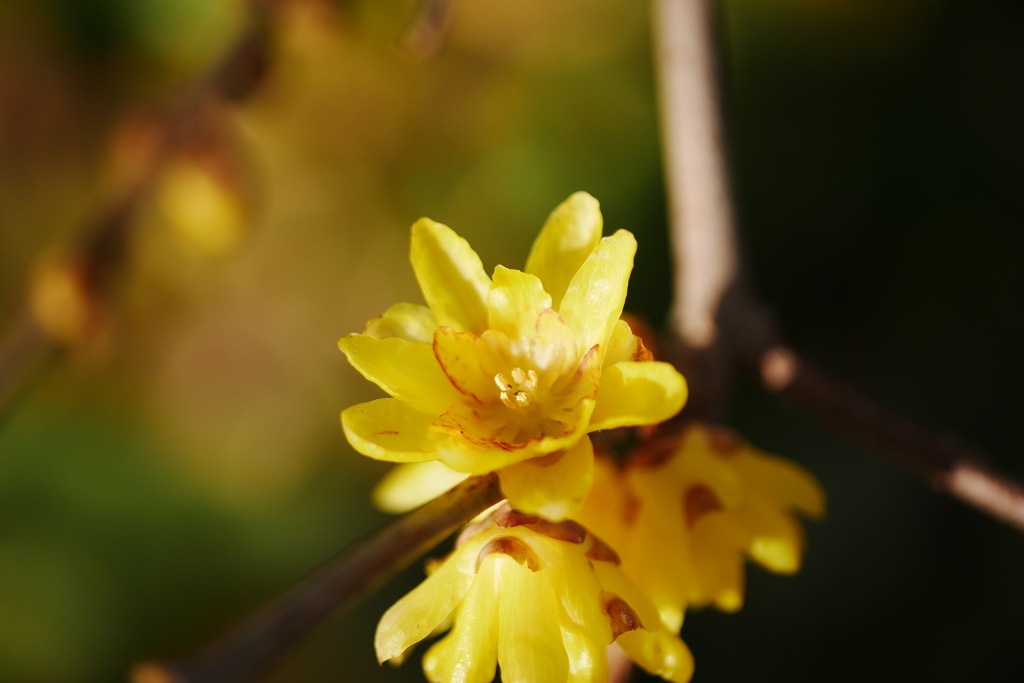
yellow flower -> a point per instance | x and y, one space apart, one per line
510 373
686 510
542 599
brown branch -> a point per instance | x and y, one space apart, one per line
362 568
100 253
717 322
705 253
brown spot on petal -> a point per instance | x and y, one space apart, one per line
631 508
516 548
654 452
567 531
644 333
722 441
622 617
699 501
602 552
506 518
642 354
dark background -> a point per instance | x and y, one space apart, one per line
186 463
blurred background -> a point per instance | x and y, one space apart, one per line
184 461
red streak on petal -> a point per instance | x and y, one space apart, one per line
459 386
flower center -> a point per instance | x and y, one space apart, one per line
519 392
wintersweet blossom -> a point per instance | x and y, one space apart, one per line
509 373
685 510
542 599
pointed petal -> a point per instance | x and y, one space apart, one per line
656 554
593 302
530 648
451 276
515 301
660 653
412 618
771 537
718 561
411 322
412 484
615 582
404 369
388 429
577 584
783 481
469 654
571 232
552 486
588 661
624 345
634 393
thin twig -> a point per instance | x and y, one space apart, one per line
948 466
100 253
362 568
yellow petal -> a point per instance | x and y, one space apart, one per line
771 537
474 457
656 554
624 345
463 455
588 661
411 322
515 301
552 486
553 347
660 653
571 232
388 429
594 299
604 511
696 463
406 370
451 276
614 581
458 355
783 481
718 561
633 393
530 648
539 552
577 584
410 485
415 616
469 653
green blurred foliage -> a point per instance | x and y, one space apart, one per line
189 463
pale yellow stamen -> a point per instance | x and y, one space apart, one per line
519 392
